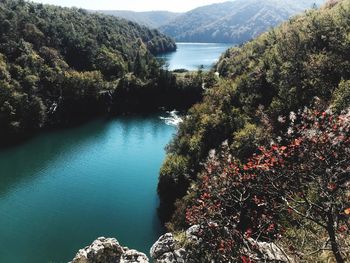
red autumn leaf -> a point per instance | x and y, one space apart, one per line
271 228
205 196
321 158
248 233
342 228
274 147
331 186
245 259
297 142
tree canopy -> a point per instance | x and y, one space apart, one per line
304 60
61 65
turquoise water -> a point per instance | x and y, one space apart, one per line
63 189
191 56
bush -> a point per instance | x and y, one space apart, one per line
301 181
341 96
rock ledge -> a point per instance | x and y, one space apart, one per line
108 250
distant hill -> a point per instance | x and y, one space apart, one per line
152 19
234 21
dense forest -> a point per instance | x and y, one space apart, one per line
233 21
59 65
265 155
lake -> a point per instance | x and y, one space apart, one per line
61 190
191 56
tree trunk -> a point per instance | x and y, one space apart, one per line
333 239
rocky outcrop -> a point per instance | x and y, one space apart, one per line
165 250
168 250
108 250
267 252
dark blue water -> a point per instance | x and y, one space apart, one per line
191 56
61 190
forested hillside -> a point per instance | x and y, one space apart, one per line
60 65
151 19
233 21
281 111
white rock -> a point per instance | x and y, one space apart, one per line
192 233
268 252
108 250
164 244
164 250
133 256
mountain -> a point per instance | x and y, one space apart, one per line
234 21
152 19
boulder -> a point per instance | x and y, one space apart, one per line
267 252
108 250
164 244
165 250
192 233
176 256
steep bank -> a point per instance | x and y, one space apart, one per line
281 71
267 84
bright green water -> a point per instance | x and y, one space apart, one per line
63 189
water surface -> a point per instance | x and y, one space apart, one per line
63 189
191 56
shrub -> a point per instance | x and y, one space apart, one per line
301 179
